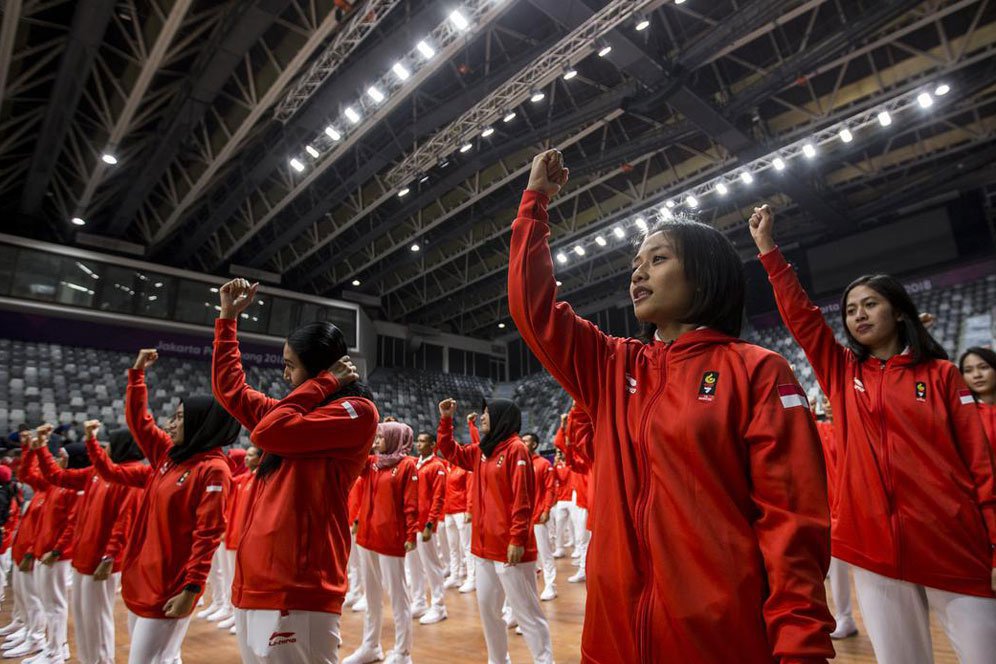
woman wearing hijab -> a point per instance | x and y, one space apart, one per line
502 539
104 515
388 526
180 519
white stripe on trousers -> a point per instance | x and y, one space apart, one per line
287 637
897 616
93 618
53 588
26 591
382 573
156 640
545 554
498 582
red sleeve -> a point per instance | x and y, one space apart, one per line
409 500
228 379
130 474
520 472
74 479
127 507
567 345
464 456
788 482
353 501
550 477
296 427
560 440
574 443
970 439
30 474
806 323
582 432
209 524
155 442
65 540
438 495
475 433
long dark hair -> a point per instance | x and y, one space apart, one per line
713 268
318 346
987 355
911 331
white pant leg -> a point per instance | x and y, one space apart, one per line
372 586
415 576
26 584
579 523
840 588
490 598
228 573
299 637
5 560
353 571
93 618
392 572
562 522
53 582
896 616
458 565
435 571
969 622
216 578
471 561
519 583
19 612
545 554
156 640
440 539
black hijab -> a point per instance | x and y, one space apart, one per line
123 446
78 458
505 420
206 426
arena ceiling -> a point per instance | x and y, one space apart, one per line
231 131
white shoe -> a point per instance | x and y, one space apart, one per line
518 630
364 656
451 582
227 623
28 647
360 605
559 553
398 658
468 587
14 626
509 619
580 577
845 629
233 630
17 636
221 614
419 611
549 593
65 652
434 615
40 658
208 611
351 597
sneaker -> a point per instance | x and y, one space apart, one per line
549 593
233 630
433 615
208 611
468 587
578 578
14 626
398 658
364 656
227 623
509 619
41 658
419 610
451 582
559 553
17 636
65 652
360 605
845 629
220 614
518 630
28 647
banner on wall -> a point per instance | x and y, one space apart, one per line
128 338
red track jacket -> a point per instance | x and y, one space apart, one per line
915 498
180 518
131 474
562 481
13 519
295 541
431 492
502 490
712 534
388 508
543 479
578 466
27 531
988 415
456 490
58 516
238 507
103 516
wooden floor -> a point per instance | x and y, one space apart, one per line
460 639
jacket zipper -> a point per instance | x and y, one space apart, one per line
887 470
643 606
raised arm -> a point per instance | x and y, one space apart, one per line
465 456
567 345
129 474
155 442
803 318
75 478
29 472
228 378
788 482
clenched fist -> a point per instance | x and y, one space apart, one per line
548 174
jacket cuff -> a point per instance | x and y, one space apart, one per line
773 261
533 205
327 383
136 376
225 328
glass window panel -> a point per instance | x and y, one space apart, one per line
37 275
283 316
154 294
79 282
8 259
117 290
196 303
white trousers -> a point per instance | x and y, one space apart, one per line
353 571
216 579
386 573
897 616
5 564
545 554
227 573
840 588
561 516
26 592
498 582
93 618
579 523
427 568
287 637
156 640
53 588
458 539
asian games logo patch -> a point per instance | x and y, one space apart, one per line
707 388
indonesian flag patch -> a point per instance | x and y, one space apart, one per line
792 395
965 397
